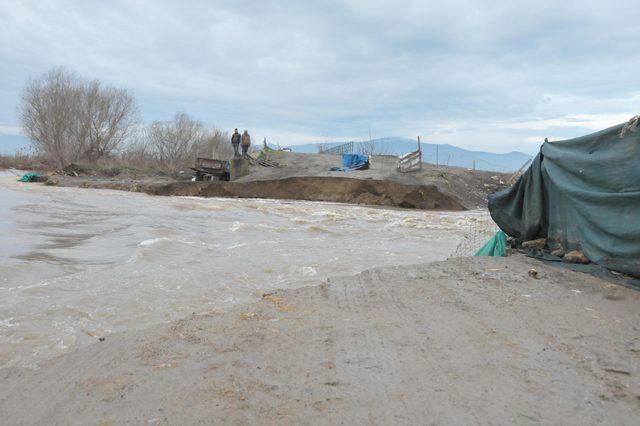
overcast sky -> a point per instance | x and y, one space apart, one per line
488 75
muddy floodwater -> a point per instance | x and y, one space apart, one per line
79 264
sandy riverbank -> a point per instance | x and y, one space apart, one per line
461 341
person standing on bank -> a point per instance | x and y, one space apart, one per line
235 141
246 143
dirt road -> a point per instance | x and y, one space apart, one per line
466 341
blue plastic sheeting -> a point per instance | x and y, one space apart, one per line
352 162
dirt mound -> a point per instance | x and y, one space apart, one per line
307 177
468 187
333 189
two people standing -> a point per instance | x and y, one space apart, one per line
238 140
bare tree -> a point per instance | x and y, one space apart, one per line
176 142
106 116
372 147
69 119
218 145
47 114
139 151
369 147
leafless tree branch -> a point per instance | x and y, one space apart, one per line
69 119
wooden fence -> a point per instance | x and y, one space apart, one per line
412 161
345 148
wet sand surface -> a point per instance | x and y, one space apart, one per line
465 341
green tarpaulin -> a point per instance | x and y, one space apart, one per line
581 194
496 246
28 177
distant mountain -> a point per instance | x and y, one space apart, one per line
446 154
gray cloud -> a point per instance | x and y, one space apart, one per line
486 75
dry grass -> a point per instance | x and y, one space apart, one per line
126 164
22 160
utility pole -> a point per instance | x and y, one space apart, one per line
420 153
474 165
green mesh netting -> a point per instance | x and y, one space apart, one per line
496 246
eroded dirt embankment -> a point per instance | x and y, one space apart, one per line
332 189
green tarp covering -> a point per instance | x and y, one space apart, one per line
496 246
581 194
28 177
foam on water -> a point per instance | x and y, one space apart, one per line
153 241
78 264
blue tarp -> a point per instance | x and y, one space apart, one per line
352 162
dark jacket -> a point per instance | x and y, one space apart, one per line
235 139
246 139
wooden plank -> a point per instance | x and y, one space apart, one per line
412 161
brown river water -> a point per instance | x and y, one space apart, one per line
79 264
